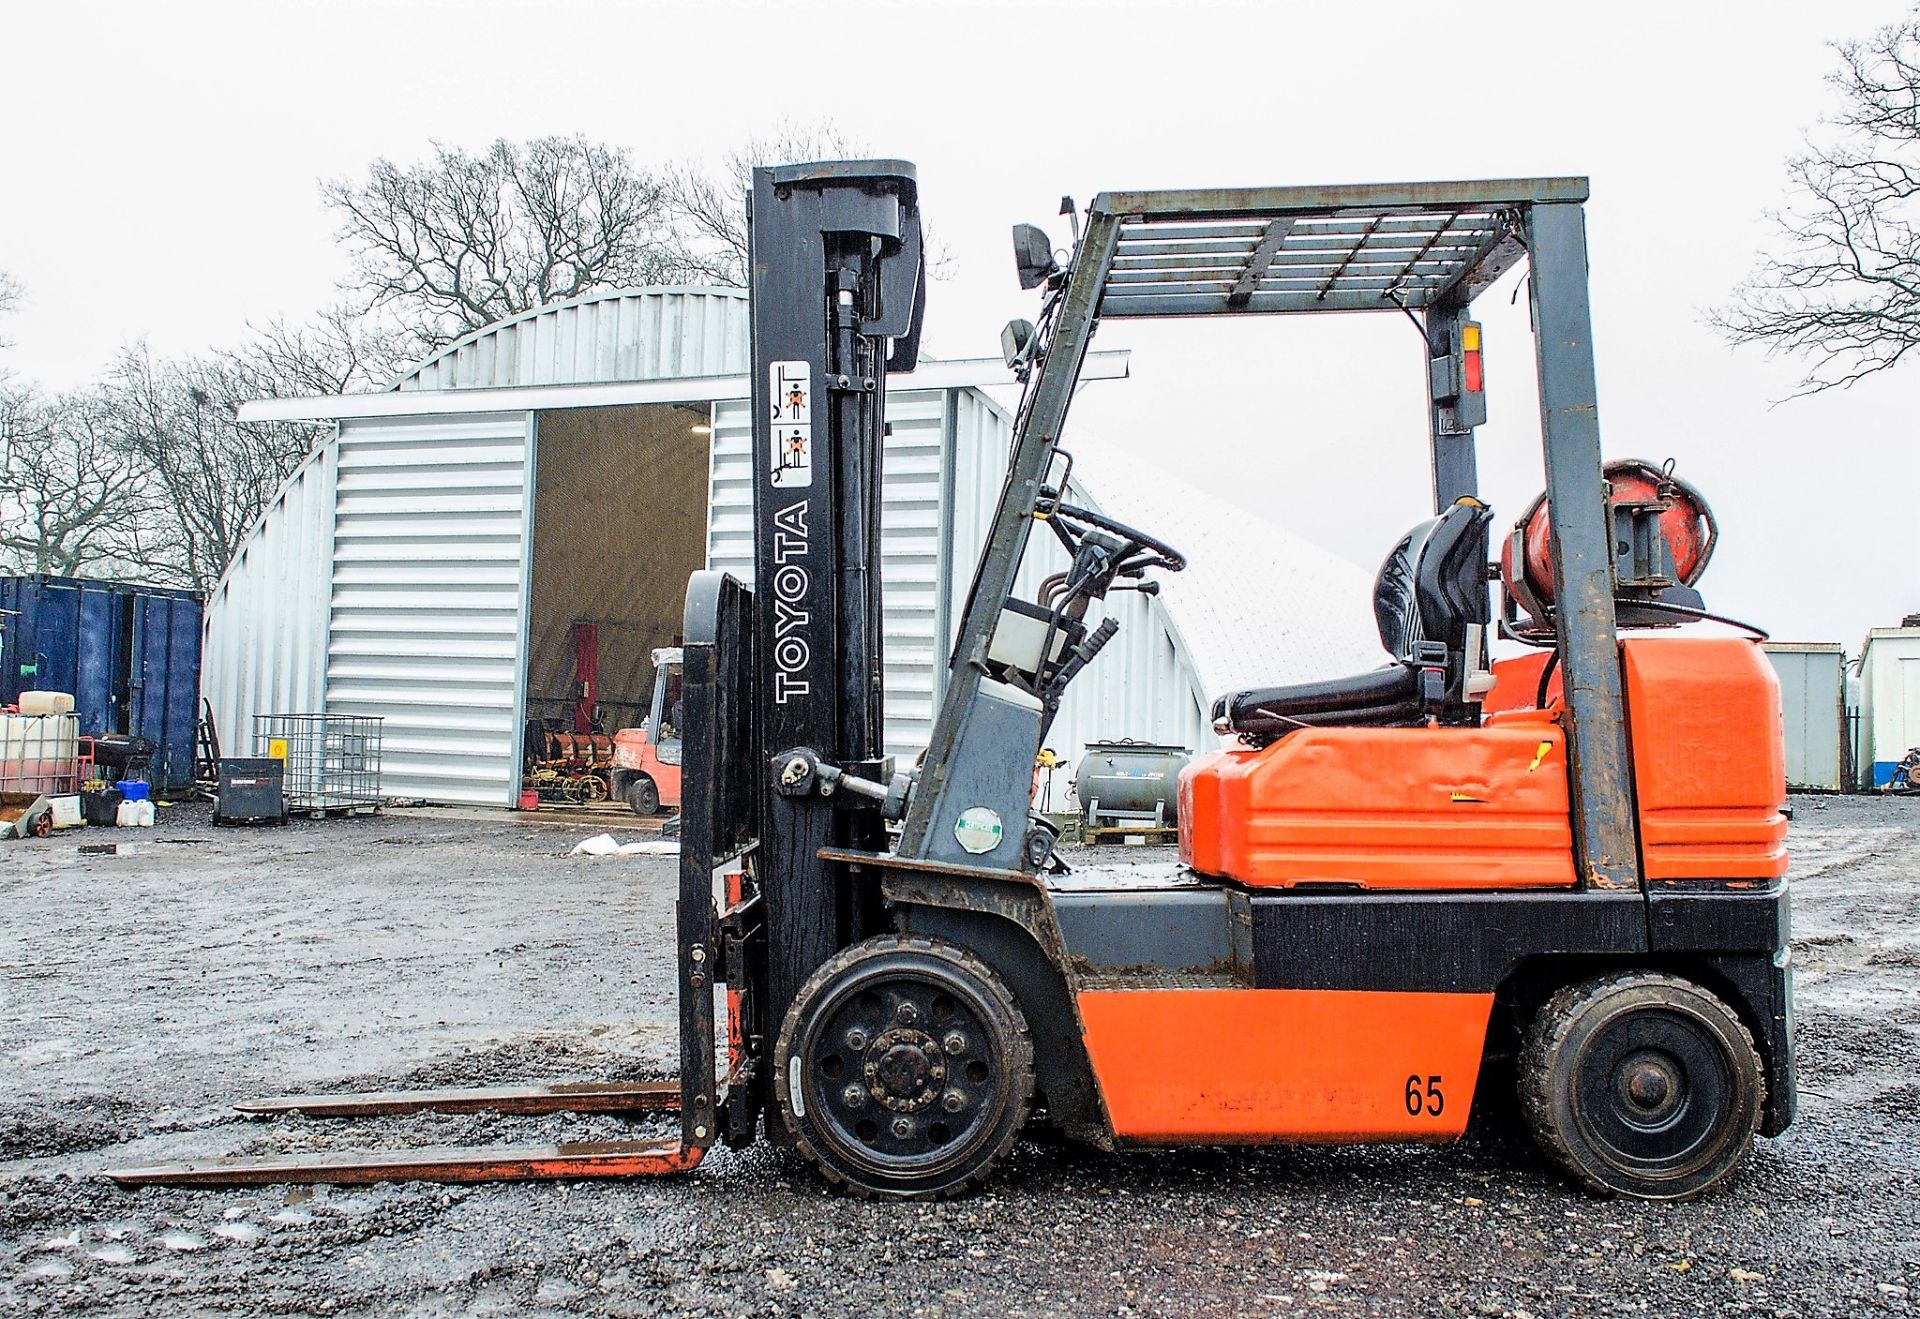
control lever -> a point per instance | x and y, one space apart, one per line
1079 657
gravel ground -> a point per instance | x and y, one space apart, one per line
142 991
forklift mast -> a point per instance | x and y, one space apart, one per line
837 289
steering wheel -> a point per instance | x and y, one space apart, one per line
1071 521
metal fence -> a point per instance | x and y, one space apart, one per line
332 760
39 754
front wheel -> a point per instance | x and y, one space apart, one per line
904 1068
643 797
1641 1084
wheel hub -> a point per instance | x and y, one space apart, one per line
1653 1087
907 1072
1649 1083
904 1070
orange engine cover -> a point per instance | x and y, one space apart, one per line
1386 808
1488 807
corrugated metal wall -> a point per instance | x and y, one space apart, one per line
1811 711
430 540
265 637
634 334
910 530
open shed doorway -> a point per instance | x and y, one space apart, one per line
619 523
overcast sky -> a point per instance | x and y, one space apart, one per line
161 166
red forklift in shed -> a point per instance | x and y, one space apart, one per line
1393 880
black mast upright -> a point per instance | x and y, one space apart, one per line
837 286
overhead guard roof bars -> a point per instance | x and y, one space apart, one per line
1362 247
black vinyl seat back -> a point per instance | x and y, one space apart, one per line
1428 600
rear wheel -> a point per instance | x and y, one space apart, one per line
1641 1084
643 797
904 1068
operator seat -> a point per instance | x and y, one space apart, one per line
1432 606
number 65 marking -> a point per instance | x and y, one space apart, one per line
1425 1099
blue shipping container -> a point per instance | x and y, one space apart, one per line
129 654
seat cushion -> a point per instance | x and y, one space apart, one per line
1383 697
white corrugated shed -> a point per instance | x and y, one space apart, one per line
629 334
1889 700
393 574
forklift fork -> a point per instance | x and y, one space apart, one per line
617 1158
715 943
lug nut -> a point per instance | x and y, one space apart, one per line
856 1039
953 1101
955 1042
907 1013
853 1096
902 1128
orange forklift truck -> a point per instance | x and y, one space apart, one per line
646 759
1574 859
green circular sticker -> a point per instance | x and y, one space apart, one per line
978 829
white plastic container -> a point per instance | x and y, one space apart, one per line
127 815
143 814
46 702
66 812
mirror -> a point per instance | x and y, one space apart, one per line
1033 254
1015 340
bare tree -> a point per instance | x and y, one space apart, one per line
72 500
336 352
207 476
12 294
1843 287
463 240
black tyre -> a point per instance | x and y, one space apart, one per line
1641 1084
643 797
904 1069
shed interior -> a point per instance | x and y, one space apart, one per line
619 523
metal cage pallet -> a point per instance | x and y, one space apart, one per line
332 760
